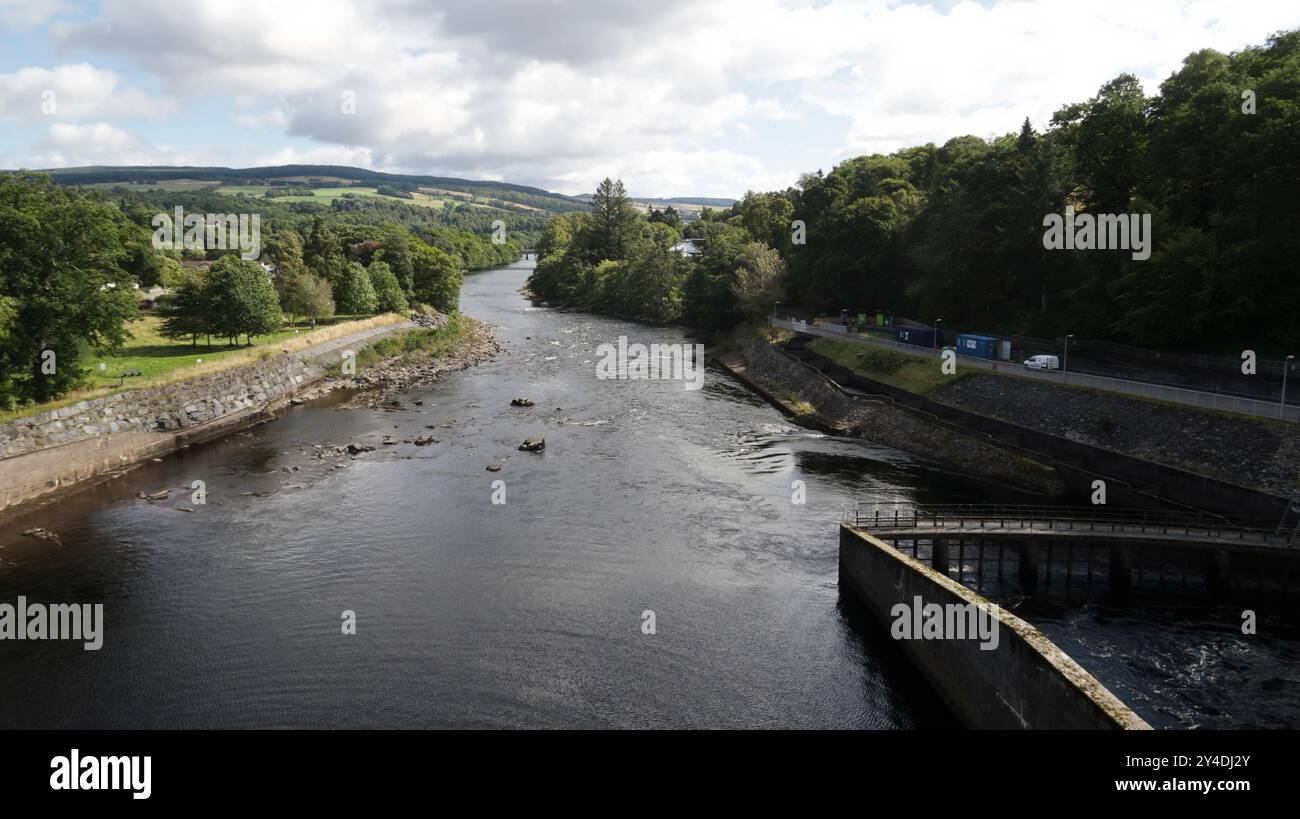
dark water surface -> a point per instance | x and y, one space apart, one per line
648 497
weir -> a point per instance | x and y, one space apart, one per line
1076 553
1026 682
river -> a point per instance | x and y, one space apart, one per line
649 497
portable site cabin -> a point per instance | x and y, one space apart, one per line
977 346
919 336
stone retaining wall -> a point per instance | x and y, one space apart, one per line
882 421
42 453
160 409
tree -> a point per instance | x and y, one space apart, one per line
397 254
61 252
172 273
283 250
144 263
652 283
612 219
759 275
355 294
388 292
240 300
185 311
437 277
307 296
323 254
318 301
667 216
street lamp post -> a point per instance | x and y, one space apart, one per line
1281 407
937 322
1065 365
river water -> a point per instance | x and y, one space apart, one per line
649 497
529 613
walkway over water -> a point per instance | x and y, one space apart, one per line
1069 522
1028 550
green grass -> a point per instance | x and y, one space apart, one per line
162 184
914 373
425 197
155 355
161 360
324 196
413 346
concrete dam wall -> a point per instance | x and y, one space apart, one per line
1025 682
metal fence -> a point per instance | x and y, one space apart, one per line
1159 392
972 518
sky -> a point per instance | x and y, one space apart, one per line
675 97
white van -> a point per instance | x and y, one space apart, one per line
1043 362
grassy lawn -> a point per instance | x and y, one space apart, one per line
163 184
914 373
155 356
324 196
162 360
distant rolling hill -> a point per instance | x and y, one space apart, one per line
310 176
342 176
339 176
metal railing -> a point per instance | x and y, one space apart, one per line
1175 395
992 518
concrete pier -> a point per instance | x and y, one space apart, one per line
1025 682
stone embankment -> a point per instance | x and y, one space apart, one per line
42 453
882 421
1245 451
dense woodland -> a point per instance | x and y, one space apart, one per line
956 231
69 258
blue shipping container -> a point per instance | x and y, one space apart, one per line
977 346
920 336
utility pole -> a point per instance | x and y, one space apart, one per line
937 322
1281 407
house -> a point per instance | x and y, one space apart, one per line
690 248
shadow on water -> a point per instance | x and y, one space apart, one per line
920 707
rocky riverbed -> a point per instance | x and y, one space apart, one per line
377 383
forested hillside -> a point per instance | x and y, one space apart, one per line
956 231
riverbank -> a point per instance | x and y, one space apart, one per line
161 361
107 436
880 420
421 357
1255 453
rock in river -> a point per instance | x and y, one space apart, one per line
533 445
43 534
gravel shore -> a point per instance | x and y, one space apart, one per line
379 381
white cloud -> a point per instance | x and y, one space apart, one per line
75 92
24 14
275 118
100 143
677 97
